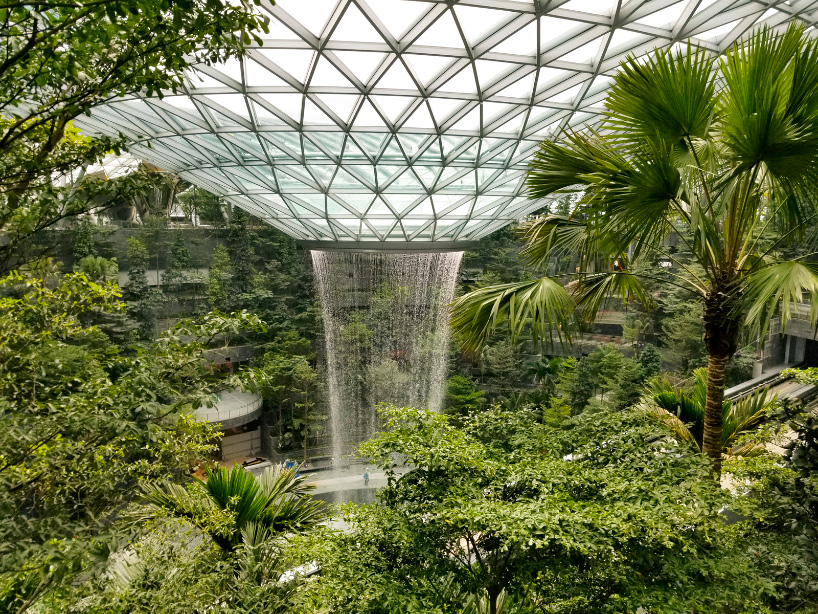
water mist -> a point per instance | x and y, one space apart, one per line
387 334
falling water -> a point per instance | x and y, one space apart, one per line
387 333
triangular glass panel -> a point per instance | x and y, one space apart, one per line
462 83
314 115
278 31
288 104
398 16
444 108
396 78
494 110
427 67
666 18
489 71
287 181
483 176
432 152
469 122
553 31
392 153
336 208
368 117
365 172
294 61
423 208
445 201
265 117
200 80
522 42
379 208
362 63
522 88
470 155
230 69
357 202
313 15
386 172
622 40
321 173
181 102
442 33
393 106
427 175
331 141
344 180
355 28
461 210
259 76
549 77
340 104
401 203
318 202
420 119
277 153
717 34
597 7
583 54
566 96
452 143
464 182
407 181
477 23
410 143
326 75
447 230
221 119
352 152
370 142
235 103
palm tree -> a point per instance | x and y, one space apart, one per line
683 414
720 152
235 507
545 372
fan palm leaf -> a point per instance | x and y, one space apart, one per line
683 413
543 302
275 503
716 165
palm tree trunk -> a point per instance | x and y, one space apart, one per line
712 443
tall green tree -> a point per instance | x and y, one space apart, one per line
61 59
142 301
718 167
240 246
218 288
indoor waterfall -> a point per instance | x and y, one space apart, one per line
387 334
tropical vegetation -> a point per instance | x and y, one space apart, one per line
717 153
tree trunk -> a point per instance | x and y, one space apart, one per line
711 443
492 594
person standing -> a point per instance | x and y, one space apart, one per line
366 477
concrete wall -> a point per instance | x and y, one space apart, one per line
243 445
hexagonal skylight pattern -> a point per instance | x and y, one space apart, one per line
408 120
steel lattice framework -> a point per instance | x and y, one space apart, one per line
391 121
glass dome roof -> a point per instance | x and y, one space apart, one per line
376 121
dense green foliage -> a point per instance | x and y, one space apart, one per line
526 518
83 422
